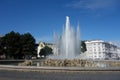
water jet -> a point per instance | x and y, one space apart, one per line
68 44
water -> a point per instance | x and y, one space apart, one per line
67 46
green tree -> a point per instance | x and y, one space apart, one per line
46 51
11 43
28 44
1 47
15 45
83 46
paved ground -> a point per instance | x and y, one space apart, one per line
81 75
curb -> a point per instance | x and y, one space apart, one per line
44 68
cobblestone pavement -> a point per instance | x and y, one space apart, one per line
82 75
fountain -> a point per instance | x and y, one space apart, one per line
68 44
67 52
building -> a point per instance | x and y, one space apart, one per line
96 49
99 49
40 46
53 47
118 52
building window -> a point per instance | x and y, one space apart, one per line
99 48
94 49
94 56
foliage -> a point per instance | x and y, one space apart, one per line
28 44
16 46
46 51
1 47
11 42
83 46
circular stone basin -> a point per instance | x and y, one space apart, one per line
67 63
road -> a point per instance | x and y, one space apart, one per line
81 75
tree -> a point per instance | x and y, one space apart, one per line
11 43
1 47
83 46
16 46
28 44
46 51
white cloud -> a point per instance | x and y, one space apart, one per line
93 4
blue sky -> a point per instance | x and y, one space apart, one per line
98 19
